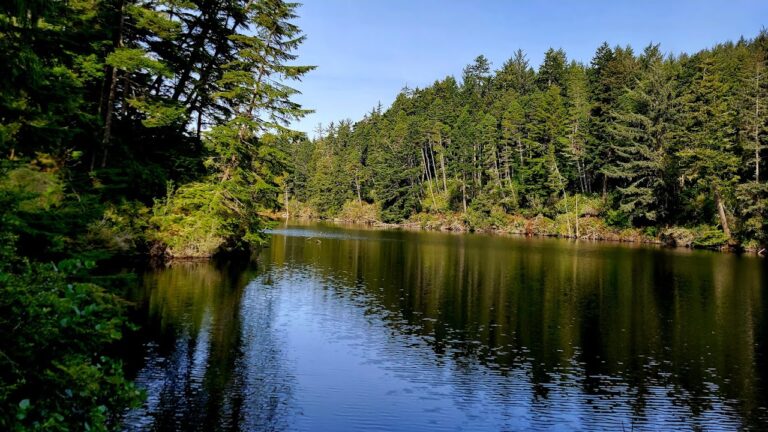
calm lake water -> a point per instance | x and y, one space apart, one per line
349 329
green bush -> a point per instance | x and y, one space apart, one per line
298 209
702 236
41 190
361 212
54 375
121 228
709 237
617 218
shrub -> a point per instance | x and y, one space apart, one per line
42 190
709 237
54 375
362 212
121 227
617 218
201 219
702 236
300 210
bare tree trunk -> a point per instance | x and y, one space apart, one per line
464 191
431 155
199 122
357 186
578 235
498 173
285 200
474 166
429 178
565 195
112 92
757 123
442 166
722 215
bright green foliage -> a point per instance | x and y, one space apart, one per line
198 219
220 212
662 140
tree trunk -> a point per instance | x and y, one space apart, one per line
357 186
464 191
442 166
578 235
105 141
498 173
565 195
757 124
429 178
431 155
287 212
199 122
722 215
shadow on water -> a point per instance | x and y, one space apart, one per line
195 349
350 329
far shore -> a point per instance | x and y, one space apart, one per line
590 229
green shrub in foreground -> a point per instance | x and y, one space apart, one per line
54 375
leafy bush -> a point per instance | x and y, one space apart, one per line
121 228
617 218
439 201
54 375
444 222
702 236
298 209
202 219
41 190
710 237
588 205
362 212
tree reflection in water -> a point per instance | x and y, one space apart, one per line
347 329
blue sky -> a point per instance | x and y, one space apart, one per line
366 50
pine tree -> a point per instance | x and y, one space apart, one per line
553 70
644 134
709 161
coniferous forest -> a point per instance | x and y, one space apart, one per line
632 146
132 128
126 127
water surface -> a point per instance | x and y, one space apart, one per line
349 329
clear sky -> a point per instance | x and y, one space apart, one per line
366 50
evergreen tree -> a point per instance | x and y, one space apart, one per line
644 135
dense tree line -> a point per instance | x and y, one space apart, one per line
125 125
661 140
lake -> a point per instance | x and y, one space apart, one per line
336 328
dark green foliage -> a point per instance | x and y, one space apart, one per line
662 140
645 135
103 105
54 375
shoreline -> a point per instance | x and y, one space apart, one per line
669 237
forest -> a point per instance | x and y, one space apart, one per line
136 128
632 146
127 127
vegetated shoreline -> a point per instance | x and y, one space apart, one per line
590 229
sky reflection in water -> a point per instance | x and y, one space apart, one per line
352 329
